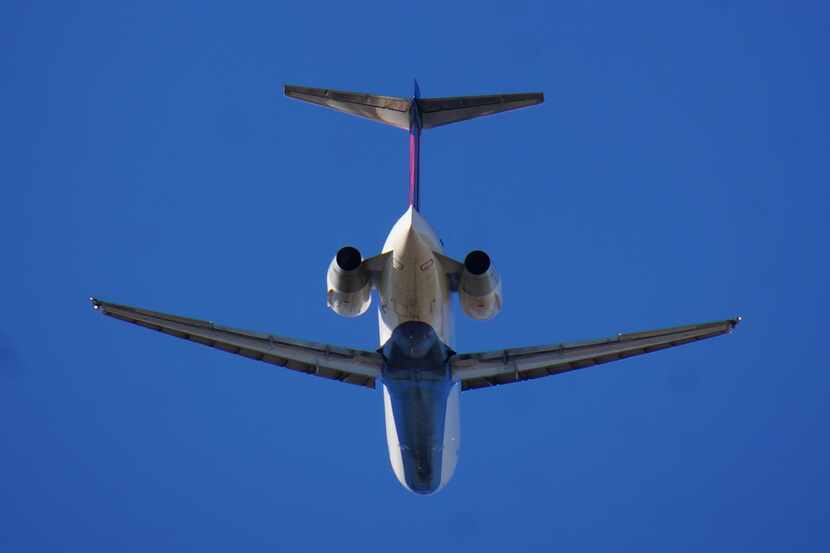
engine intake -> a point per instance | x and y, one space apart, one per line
480 287
348 283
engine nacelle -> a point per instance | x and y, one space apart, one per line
480 287
348 284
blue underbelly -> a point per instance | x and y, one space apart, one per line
417 377
419 408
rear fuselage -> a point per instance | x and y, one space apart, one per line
420 397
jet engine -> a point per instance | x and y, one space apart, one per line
480 287
348 283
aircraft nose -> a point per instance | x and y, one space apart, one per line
422 469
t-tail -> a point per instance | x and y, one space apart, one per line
414 114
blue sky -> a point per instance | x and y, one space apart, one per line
678 172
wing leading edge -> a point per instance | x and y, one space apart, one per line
332 362
482 370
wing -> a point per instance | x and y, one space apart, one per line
336 363
481 370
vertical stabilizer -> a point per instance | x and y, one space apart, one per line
415 149
414 114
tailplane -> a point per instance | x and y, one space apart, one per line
413 114
436 112
394 111
383 109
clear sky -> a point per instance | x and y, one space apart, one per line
677 173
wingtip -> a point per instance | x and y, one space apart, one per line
736 321
96 303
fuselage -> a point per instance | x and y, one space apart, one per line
416 327
420 395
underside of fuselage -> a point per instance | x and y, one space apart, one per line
420 397
417 390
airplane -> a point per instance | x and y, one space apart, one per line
419 372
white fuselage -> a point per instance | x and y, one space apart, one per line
414 287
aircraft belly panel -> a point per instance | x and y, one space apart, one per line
421 407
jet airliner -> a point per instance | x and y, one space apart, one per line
419 372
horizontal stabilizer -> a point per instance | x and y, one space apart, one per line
383 109
394 111
436 112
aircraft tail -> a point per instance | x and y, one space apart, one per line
395 111
413 114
